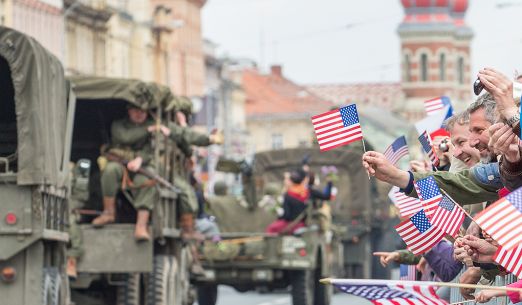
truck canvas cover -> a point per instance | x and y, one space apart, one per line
40 96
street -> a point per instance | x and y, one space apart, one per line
227 296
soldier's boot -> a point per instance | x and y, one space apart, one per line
71 267
109 213
141 232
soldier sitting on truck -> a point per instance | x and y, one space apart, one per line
296 199
131 140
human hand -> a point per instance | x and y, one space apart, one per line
479 249
473 229
216 137
387 257
181 119
470 276
501 88
135 164
486 295
163 129
378 166
420 166
503 141
459 253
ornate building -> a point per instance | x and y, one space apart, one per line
435 54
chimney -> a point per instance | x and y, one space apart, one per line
276 70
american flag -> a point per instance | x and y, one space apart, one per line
429 194
503 220
407 272
407 205
337 128
383 292
397 150
448 216
425 141
419 234
436 104
511 260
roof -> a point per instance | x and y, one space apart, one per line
272 95
364 94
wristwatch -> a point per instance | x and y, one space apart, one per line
513 120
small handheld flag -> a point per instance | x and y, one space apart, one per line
429 194
425 141
503 220
407 272
337 127
407 205
419 234
435 105
397 150
448 216
511 260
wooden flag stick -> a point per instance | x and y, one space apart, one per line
423 283
364 148
462 302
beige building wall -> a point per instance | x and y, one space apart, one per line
279 134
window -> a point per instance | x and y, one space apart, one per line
424 67
407 67
277 141
460 71
442 67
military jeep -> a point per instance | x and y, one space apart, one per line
249 259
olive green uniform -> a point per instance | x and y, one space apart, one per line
130 140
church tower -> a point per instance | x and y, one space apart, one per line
435 54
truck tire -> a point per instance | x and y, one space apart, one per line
52 287
207 294
302 285
129 293
163 286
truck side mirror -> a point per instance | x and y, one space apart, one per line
81 173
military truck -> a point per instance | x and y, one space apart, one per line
249 259
36 121
114 268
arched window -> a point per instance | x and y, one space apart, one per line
424 67
407 67
460 70
442 67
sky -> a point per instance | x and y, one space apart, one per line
348 41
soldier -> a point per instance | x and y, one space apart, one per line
131 140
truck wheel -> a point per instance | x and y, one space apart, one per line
52 287
207 294
322 293
301 282
161 288
129 292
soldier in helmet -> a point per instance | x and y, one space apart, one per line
130 140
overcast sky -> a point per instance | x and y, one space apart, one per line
310 38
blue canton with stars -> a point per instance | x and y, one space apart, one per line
446 204
399 143
420 221
515 198
428 188
349 115
425 143
374 292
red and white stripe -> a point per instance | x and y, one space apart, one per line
331 133
426 294
503 222
449 221
407 205
394 157
415 241
511 260
431 205
433 106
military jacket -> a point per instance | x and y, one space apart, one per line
131 140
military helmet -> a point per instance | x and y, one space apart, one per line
220 188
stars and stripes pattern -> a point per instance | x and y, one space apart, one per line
436 104
419 234
448 216
407 272
511 260
429 194
382 292
397 150
337 127
407 205
503 220
425 141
